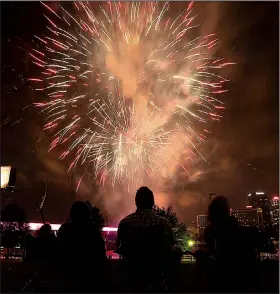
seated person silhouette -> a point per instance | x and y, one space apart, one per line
144 239
81 245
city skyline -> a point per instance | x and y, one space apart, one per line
261 213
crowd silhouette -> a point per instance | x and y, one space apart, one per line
146 244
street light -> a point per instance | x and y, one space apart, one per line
190 243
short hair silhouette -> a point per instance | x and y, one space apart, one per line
79 211
144 198
45 231
218 209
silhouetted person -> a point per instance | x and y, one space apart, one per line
82 247
45 247
46 243
222 228
144 240
225 240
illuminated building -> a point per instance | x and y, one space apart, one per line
260 200
249 217
275 212
202 222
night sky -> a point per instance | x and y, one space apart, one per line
242 149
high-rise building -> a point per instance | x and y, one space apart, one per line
275 212
202 222
249 217
260 200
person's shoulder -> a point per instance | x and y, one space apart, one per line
127 218
63 231
65 226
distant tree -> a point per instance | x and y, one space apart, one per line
13 213
179 229
193 232
14 227
96 216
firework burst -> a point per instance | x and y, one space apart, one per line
128 88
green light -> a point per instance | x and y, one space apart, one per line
190 243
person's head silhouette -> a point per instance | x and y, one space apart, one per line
144 198
79 212
45 231
218 209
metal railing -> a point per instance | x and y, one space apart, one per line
188 257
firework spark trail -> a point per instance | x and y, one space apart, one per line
126 86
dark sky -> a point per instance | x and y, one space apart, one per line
242 149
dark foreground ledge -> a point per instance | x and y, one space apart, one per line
16 275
